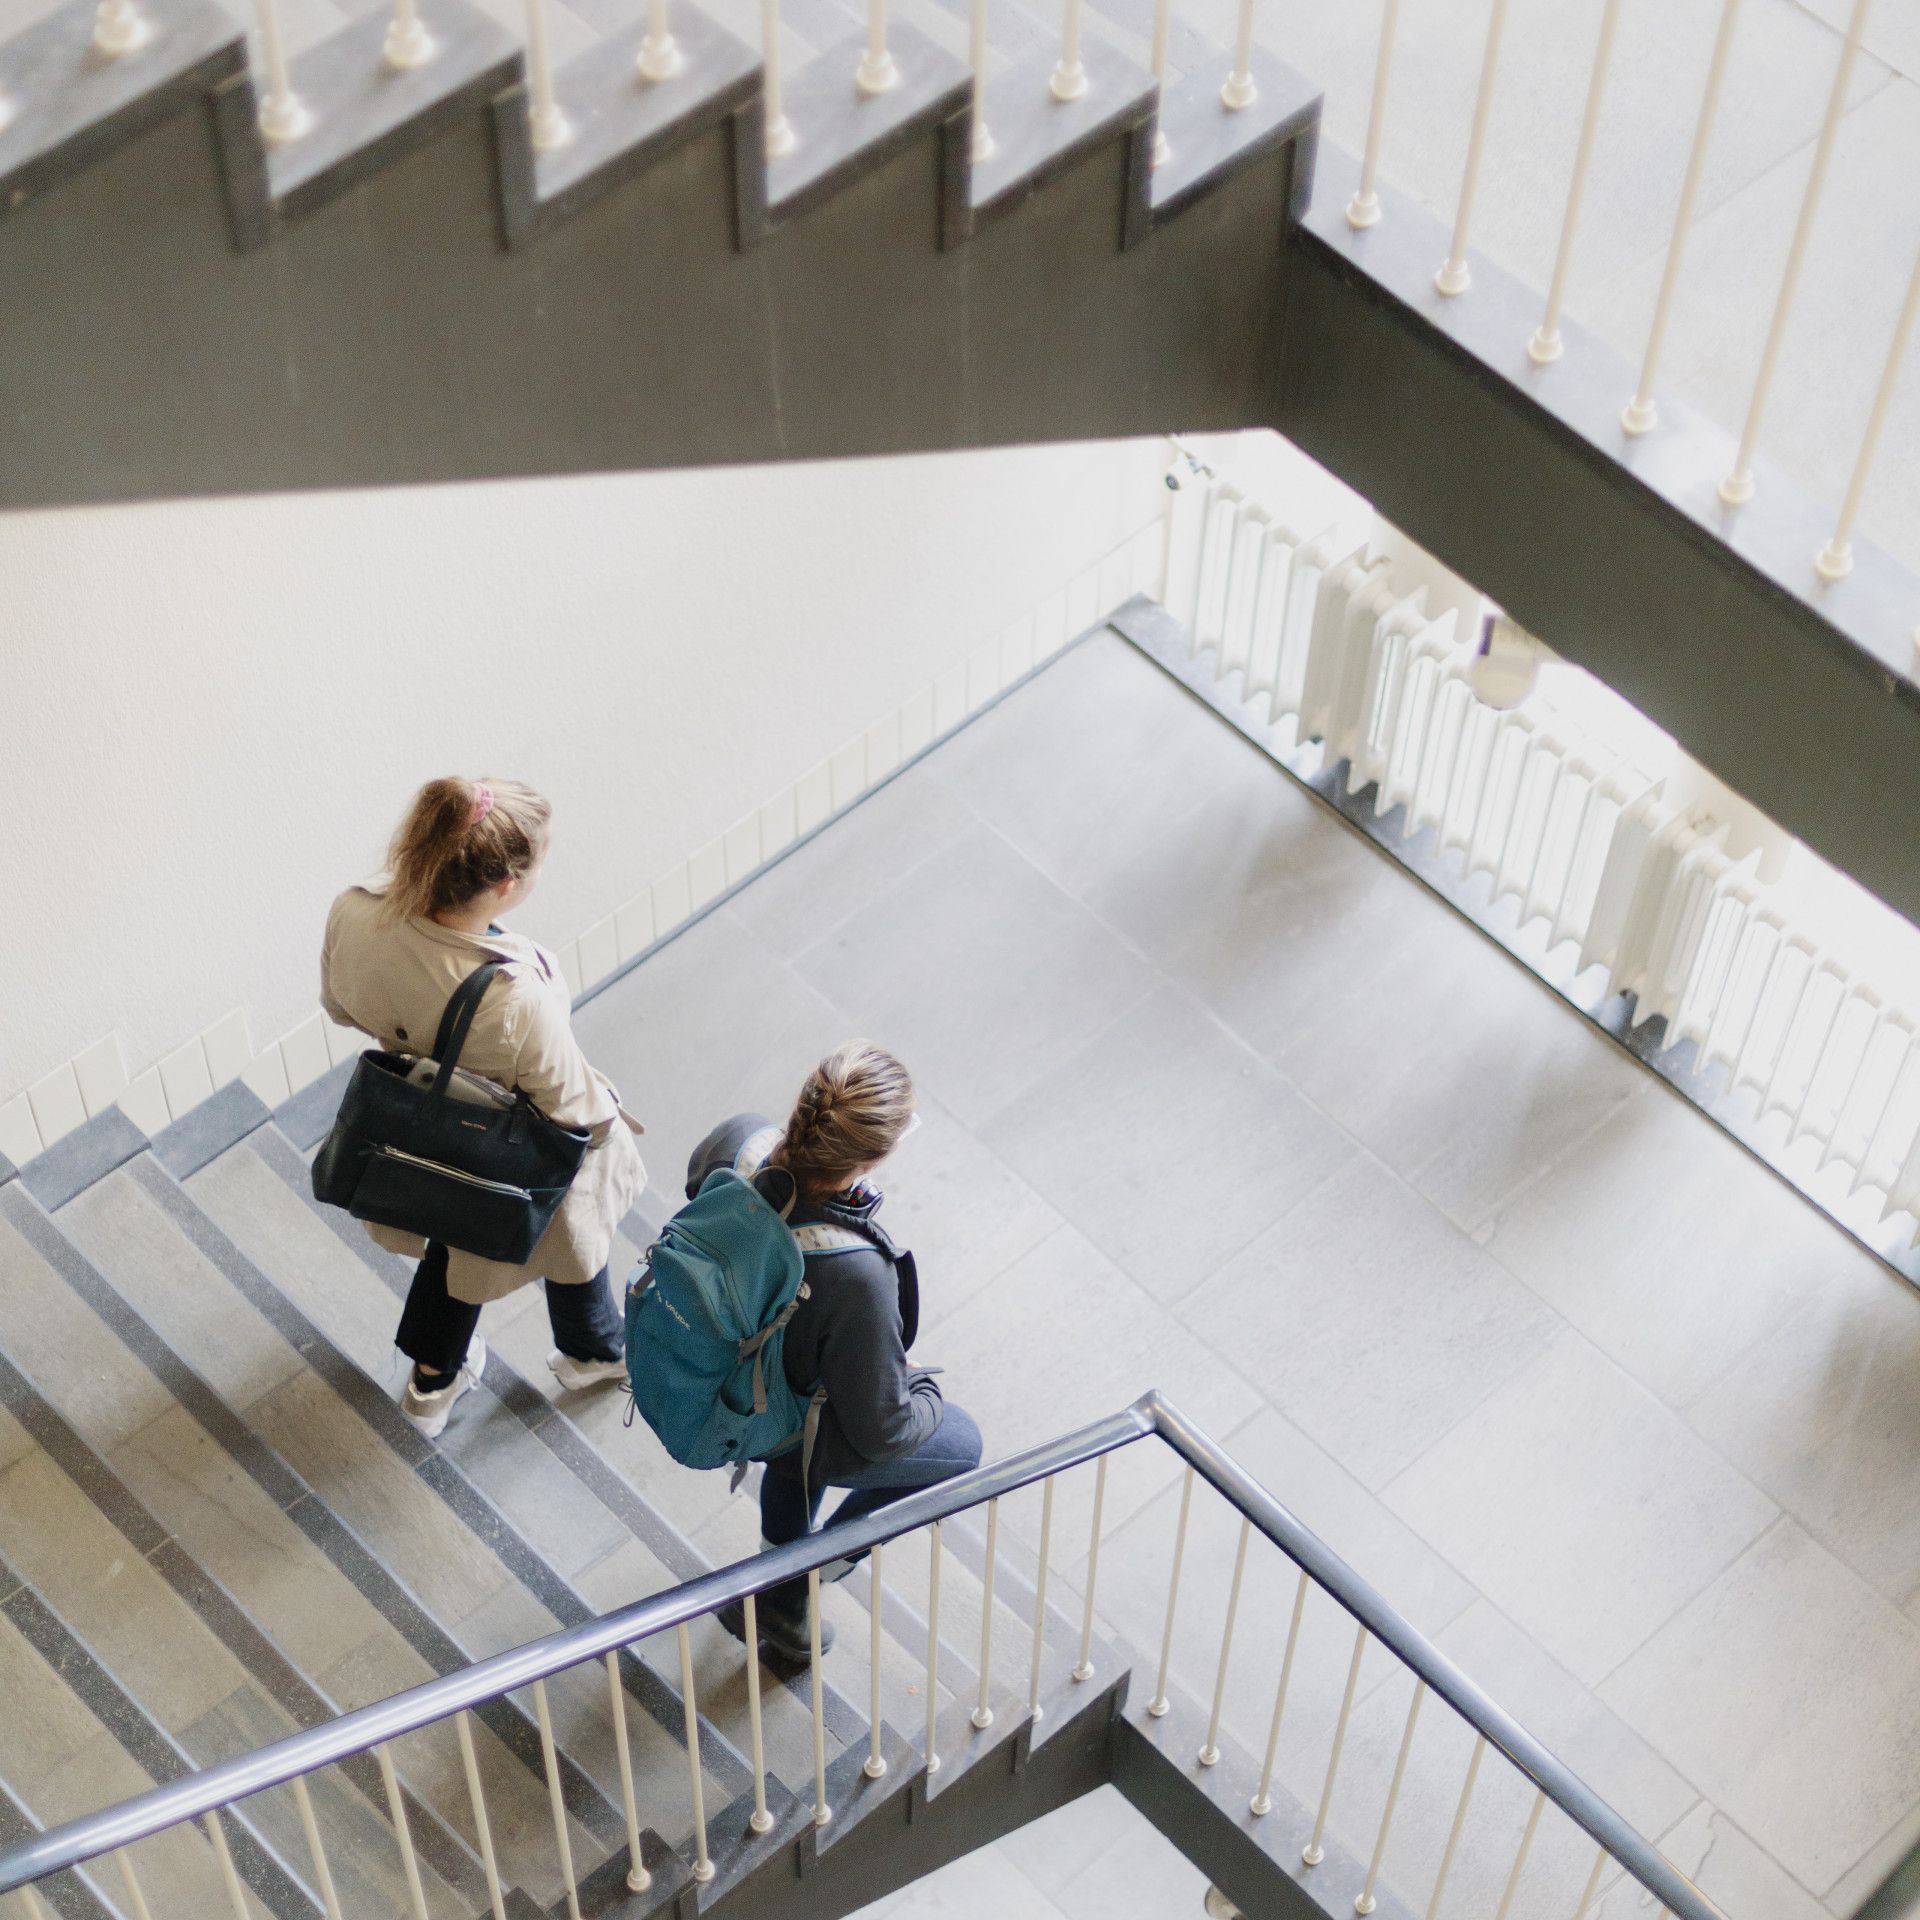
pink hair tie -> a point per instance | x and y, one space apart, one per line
482 802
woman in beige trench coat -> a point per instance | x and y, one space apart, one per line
467 853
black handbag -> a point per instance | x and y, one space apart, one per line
484 1174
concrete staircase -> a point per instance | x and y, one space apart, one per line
216 1528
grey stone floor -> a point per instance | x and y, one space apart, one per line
1218 1100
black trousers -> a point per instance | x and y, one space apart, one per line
435 1328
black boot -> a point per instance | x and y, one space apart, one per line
780 1614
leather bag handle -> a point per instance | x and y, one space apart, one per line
458 1019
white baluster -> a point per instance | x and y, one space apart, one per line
1363 210
322 1873
1459 1821
1314 1852
638 1878
1640 414
822 1813
660 55
981 147
1239 90
1158 1705
780 139
760 1820
556 1799
229 1875
408 43
703 1868
29 1899
402 1832
483 1827
1737 488
284 115
120 27
876 72
1454 275
1210 1753
1835 560
933 1648
1520 1858
1034 1708
1365 1903
875 1765
1083 1667
1593 1885
1162 32
547 125
982 1715
135 1898
1546 345
1263 1796
1069 80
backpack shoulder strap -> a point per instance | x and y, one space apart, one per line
829 1237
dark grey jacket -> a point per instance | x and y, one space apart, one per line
851 1334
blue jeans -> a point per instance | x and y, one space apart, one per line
952 1448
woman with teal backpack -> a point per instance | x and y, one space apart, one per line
884 1429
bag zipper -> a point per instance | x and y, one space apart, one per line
455 1173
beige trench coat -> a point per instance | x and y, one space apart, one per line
393 980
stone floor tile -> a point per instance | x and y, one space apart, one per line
1469 1079
1371 1321
1580 1506
796 904
979 972
963 1210
1142 1876
1151 759
1167 1143
1108 1342
1668 1246
1823 1415
1789 1692
681 1075
1055 1849
1728 1866
986 1882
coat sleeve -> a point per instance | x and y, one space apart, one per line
548 1065
328 1003
721 1147
882 1408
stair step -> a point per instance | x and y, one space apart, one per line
70 1896
340 1432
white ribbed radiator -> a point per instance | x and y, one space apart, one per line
1566 824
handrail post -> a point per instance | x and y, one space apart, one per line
1159 1704
980 146
1455 276
408 43
1641 414
638 1878
1239 90
1365 1903
1459 1821
556 1799
120 27
1737 488
822 1813
1363 210
236 1894
1210 1753
402 1833
779 139
760 1819
703 1867
875 1764
1313 1853
1083 1667
1162 31
1546 345
1835 560
876 72
933 1648
284 115
1069 80
660 55
1034 1709
482 1826
1263 1796
982 1715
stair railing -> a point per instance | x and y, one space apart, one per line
451 1698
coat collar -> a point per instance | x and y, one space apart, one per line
497 943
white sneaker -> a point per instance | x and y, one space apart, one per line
577 1375
430 1412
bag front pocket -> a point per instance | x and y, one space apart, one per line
491 1218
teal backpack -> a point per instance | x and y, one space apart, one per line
706 1336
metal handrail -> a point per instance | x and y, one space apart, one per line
436 1700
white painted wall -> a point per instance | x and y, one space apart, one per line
213 711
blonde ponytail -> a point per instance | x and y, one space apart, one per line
459 838
852 1111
